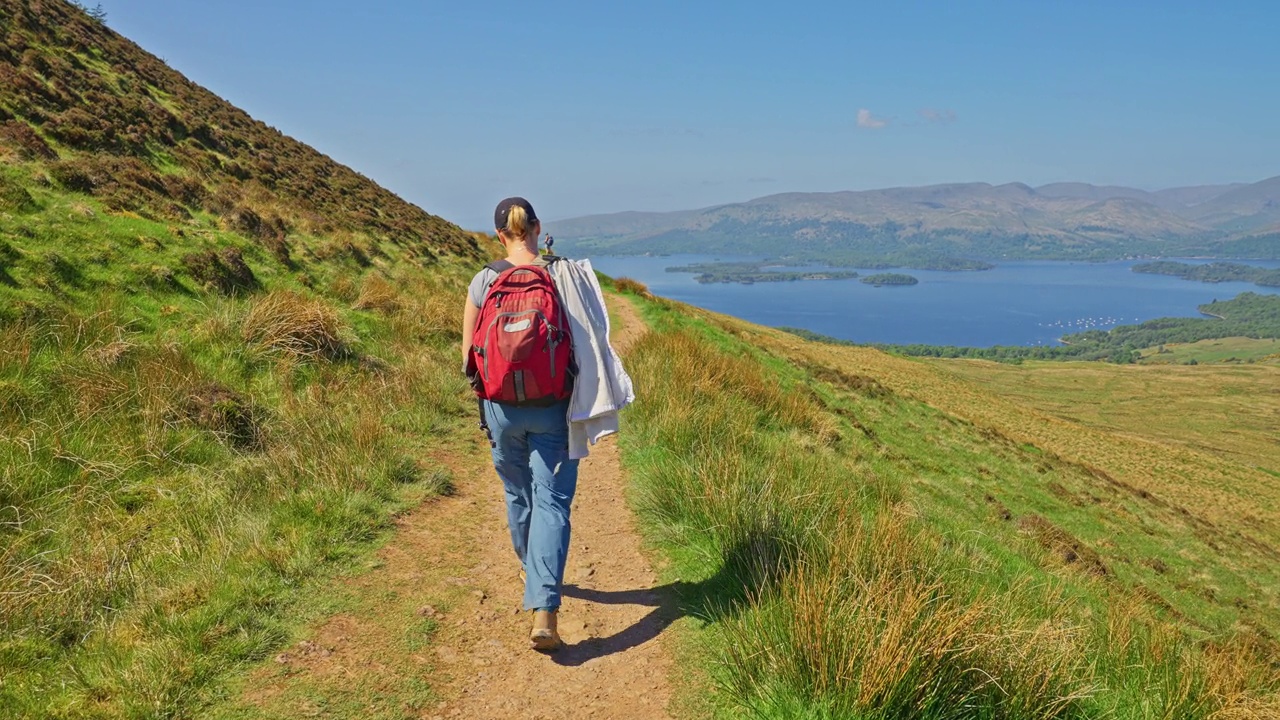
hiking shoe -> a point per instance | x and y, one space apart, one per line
543 637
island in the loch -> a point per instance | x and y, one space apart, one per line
750 273
889 279
1214 272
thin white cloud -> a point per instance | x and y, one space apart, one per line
867 120
935 115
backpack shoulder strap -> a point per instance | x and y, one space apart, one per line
543 263
498 267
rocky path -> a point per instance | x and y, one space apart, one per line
452 562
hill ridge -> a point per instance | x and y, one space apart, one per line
113 121
975 220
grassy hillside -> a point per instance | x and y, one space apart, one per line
1229 411
98 115
180 467
1223 350
871 537
226 362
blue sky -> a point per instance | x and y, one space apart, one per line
589 108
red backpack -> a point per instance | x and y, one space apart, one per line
521 349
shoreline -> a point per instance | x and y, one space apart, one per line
1019 305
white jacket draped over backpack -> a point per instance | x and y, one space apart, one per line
602 387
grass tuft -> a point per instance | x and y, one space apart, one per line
377 294
289 323
628 285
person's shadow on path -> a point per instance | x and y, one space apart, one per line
747 569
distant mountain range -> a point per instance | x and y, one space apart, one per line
917 226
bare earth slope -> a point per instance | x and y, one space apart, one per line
451 562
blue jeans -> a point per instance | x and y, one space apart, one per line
531 455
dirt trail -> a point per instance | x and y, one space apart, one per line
455 555
612 667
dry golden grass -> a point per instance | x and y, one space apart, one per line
110 354
1221 680
431 306
873 626
1232 411
344 288
376 293
626 284
287 322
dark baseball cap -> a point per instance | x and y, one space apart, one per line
504 209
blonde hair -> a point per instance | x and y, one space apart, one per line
518 225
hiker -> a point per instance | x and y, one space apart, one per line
535 348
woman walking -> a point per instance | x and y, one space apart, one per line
536 349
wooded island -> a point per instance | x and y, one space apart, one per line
889 279
750 273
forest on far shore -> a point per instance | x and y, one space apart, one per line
1214 272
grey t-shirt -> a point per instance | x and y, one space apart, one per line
480 285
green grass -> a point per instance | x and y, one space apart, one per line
181 469
855 552
1227 411
1224 350
301 680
